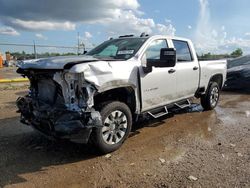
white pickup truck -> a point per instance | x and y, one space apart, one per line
97 96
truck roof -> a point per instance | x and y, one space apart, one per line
155 36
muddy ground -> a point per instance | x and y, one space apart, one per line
212 146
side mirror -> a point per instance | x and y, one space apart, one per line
145 66
167 59
84 52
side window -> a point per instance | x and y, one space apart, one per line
154 49
182 51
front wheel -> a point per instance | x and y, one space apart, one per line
210 100
117 123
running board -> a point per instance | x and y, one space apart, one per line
183 105
156 113
159 114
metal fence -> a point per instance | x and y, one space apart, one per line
40 50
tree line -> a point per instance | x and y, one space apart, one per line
23 55
236 53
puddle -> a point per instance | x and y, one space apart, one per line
195 108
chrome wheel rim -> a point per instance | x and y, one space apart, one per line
115 127
214 96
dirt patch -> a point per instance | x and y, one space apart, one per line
8 73
212 146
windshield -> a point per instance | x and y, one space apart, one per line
122 48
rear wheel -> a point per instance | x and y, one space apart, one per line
117 122
210 100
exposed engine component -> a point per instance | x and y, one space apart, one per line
59 105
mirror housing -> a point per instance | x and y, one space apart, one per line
167 59
168 56
146 68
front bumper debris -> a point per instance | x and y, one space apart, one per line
59 122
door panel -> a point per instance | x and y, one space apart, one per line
187 80
158 87
187 74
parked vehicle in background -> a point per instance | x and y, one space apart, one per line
238 73
97 96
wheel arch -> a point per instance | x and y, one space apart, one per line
125 94
218 78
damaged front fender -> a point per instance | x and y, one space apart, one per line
104 76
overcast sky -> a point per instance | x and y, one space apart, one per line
217 26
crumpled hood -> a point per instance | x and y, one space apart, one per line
106 74
54 62
103 73
239 68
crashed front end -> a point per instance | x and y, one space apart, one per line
59 104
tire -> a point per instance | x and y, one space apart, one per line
117 123
210 100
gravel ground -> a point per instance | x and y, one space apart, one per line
189 149
9 72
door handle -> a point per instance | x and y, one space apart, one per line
171 71
195 68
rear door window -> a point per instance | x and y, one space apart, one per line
182 51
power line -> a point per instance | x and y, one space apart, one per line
40 45
78 44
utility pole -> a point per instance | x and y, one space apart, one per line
35 49
84 49
78 44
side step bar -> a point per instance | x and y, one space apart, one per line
185 104
159 114
156 113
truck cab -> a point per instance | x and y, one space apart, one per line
168 84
